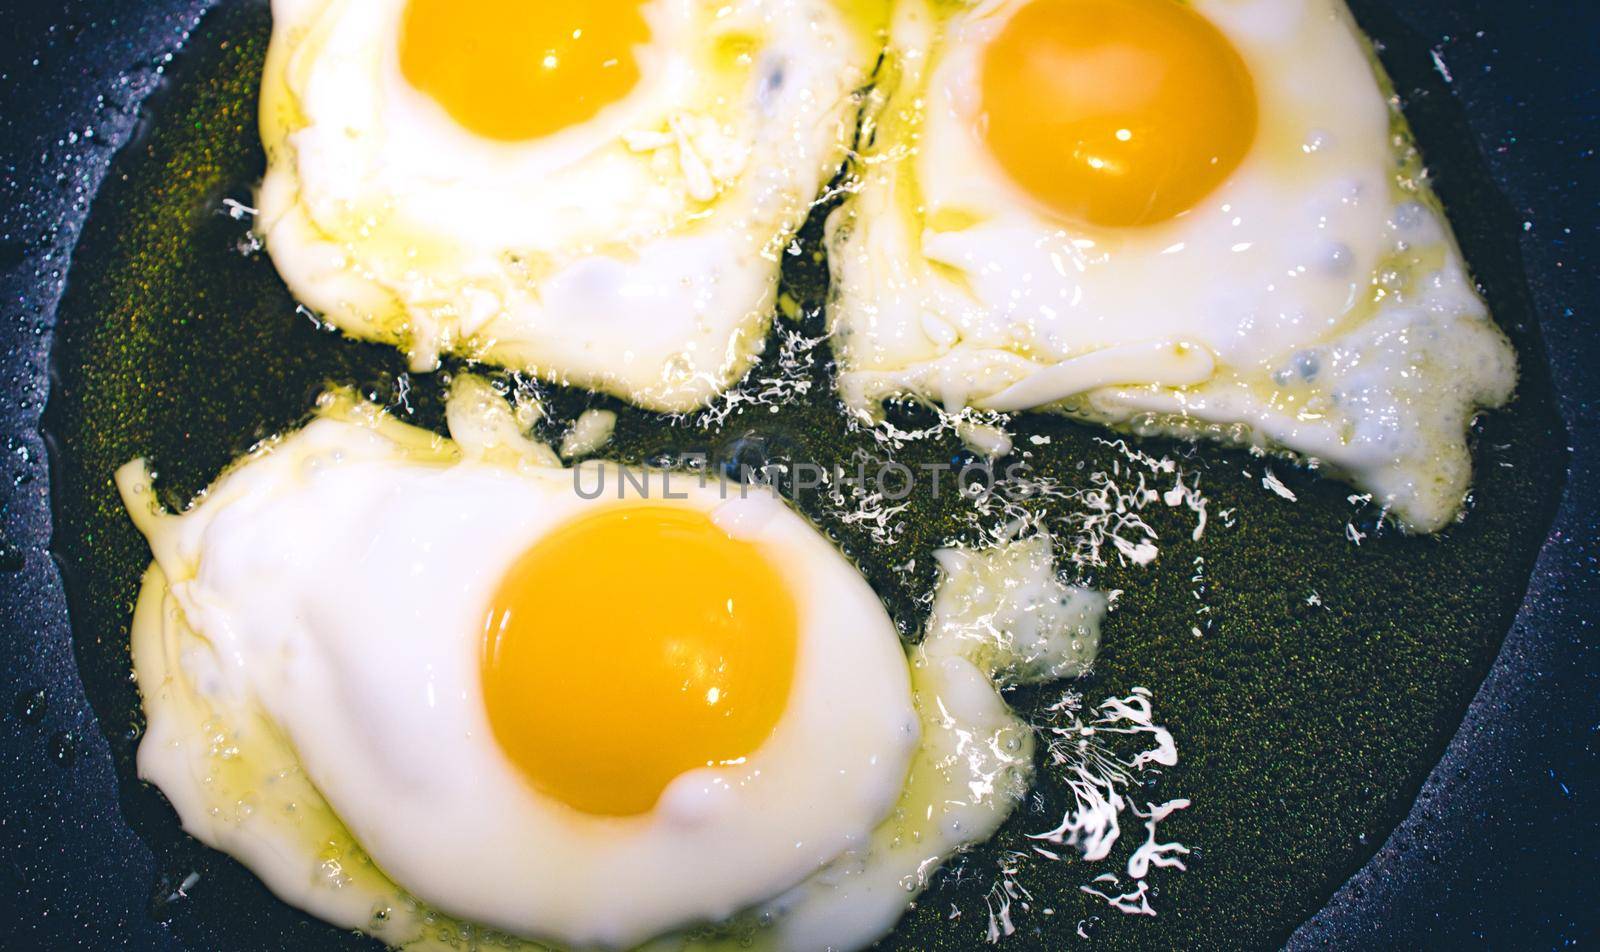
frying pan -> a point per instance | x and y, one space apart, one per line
1498 845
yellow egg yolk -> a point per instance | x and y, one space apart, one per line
519 69
630 646
1116 112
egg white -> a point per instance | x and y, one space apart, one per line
1315 303
305 646
1000 618
343 589
637 252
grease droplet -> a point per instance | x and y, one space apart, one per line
31 706
64 748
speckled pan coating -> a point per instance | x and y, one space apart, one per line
1306 733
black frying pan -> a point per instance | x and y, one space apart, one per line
1497 846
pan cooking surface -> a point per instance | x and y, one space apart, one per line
1305 729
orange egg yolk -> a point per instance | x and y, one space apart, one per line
519 69
630 646
1116 112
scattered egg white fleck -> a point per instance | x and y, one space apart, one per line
1312 301
589 434
621 233
306 647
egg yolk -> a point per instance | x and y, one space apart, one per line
630 646
1116 112
519 69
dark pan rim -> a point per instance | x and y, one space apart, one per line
1493 848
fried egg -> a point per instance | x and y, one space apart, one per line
597 193
1204 219
446 692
